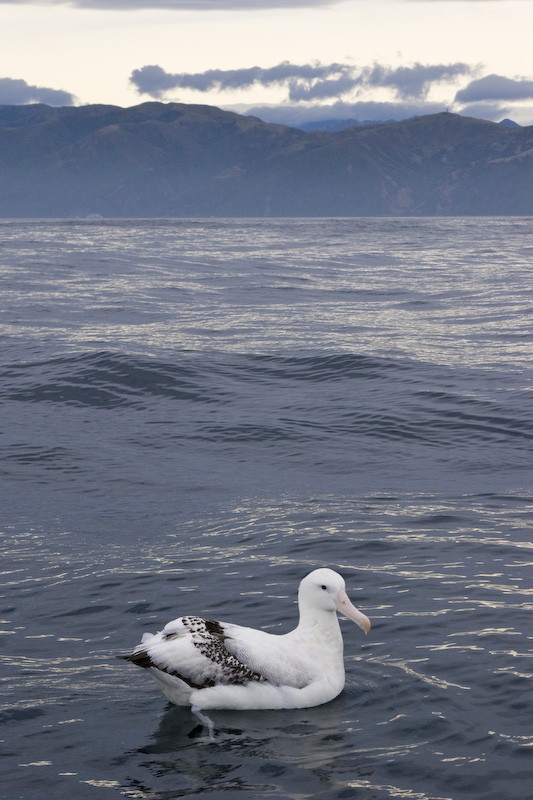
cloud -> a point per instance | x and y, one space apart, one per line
495 87
370 111
416 81
364 111
178 5
153 80
494 112
304 82
17 92
196 5
405 82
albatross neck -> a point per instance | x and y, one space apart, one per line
318 618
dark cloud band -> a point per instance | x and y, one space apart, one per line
195 5
178 5
304 82
18 92
495 87
358 112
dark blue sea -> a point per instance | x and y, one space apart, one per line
194 414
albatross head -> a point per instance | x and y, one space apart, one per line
325 589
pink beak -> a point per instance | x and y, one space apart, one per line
345 607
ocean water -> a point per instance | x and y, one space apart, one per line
194 414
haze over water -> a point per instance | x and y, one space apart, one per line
197 413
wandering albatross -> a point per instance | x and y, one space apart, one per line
217 665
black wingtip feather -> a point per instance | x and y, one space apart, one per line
141 658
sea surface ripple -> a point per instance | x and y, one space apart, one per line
195 414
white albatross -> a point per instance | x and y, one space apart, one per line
217 665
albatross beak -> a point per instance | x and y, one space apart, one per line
344 606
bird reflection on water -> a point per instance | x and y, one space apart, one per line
295 751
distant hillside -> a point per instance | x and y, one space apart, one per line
336 124
175 160
341 124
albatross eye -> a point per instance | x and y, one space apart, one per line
324 587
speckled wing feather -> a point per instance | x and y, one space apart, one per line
194 650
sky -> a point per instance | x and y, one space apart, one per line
287 61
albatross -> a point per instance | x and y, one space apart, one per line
207 664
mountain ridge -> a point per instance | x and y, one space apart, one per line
181 160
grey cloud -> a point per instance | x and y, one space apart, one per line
156 82
178 5
17 92
194 5
494 112
153 80
322 89
305 82
495 87
416 81
360 111
407 83
368 112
